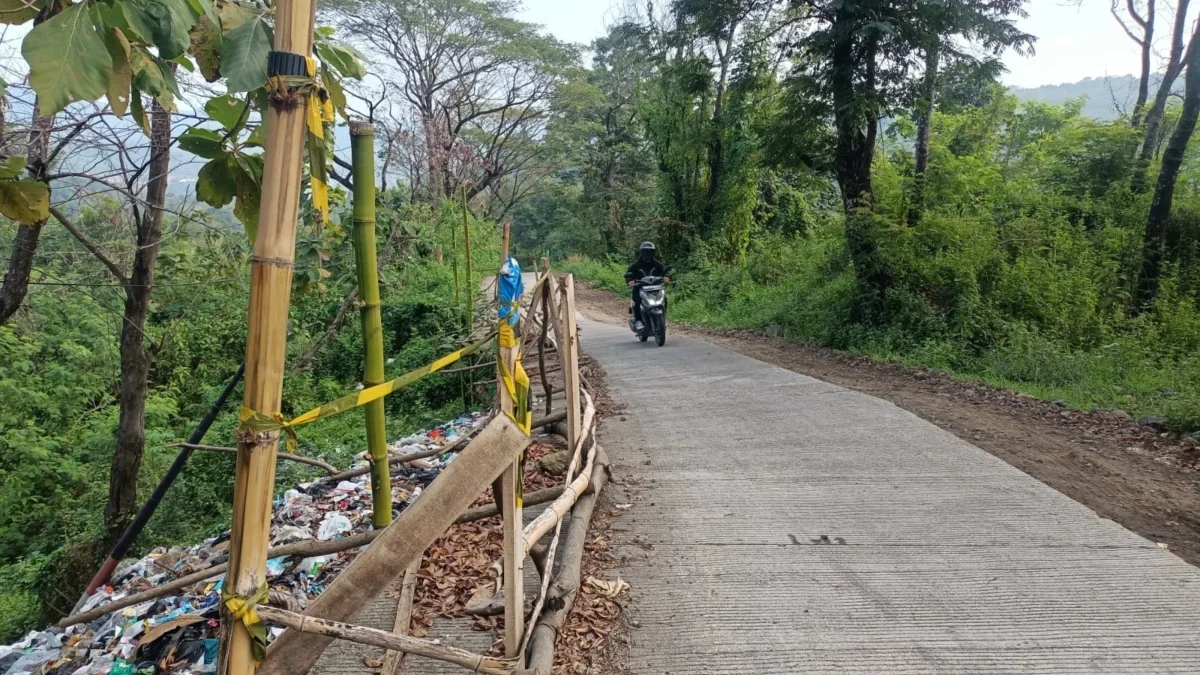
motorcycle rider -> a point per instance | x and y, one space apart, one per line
646 265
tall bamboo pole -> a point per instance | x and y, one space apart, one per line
362 157
266 343
467 246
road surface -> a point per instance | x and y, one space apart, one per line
785 525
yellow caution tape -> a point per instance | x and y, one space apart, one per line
242 609
505 337
320 111
518 388
253 421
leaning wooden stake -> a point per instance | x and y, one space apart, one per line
362 149
418 526
270 295
402 624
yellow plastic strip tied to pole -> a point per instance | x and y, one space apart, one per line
242 609
256 422
320 112
516 383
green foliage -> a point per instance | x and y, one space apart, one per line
1020 274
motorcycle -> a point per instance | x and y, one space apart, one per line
654 309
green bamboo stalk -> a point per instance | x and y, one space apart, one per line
362 155
454 257
467 245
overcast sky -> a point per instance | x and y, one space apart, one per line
1075 39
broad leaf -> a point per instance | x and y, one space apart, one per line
67 60
206 48
166 24
204 143
17 12
25 201
216 184
12 167
336 95
185 63
205 9
138 111
345 59
244 56
154 76
121 80
248 175
229 111
234 14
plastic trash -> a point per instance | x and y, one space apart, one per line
31 662
333 525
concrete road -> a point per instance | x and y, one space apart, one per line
785 525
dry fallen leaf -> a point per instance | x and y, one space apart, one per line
372 663
609 587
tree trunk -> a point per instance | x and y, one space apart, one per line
916 207
135 356
1154 116
1154 246
856 136
20 261
716 148
1147 45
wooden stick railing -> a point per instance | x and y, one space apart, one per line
398 548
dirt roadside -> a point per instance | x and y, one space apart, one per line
1146 480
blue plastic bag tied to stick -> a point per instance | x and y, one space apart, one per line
512 289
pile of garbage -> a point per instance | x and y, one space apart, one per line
179 633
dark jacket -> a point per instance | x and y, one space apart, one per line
644 268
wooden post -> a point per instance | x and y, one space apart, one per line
270 296
545 307
569 356
510 503
362 149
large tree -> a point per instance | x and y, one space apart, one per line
479 85
1154 248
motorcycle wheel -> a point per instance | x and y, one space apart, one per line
660 330
643 336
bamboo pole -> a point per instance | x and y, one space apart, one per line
418 526
547 519
402 624
362 149
510 501
566 585
467 248
266 342
378 638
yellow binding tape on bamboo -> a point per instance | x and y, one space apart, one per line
254 421
242 610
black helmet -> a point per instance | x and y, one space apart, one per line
647 250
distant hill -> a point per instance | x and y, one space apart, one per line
1107 97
